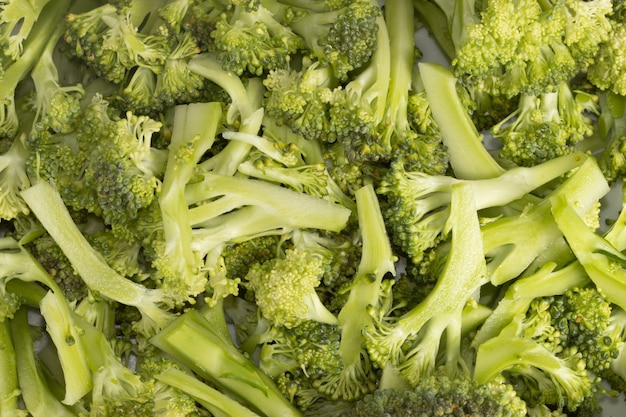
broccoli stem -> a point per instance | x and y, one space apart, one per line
245 101
39 400
297 210
468 156
601 260
48 206
377 260
545 282
66 337
195 127
213 400
9 385
196 343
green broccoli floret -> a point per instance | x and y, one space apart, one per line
284 288
440 395
608 67
528 351
17 21
412 341
367 289
418 204
507 48
547 126
341 35
14 72
253 41
106 165
133 47
240 256
214 356
13 179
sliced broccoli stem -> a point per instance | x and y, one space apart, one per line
468 156
48 206
39 400
604 264
297 209
196 343
218 403
377 260
9 385
195 127
65 335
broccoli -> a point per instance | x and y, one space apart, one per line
38 396
507 48
418 204
440 395
340 35
411 342
253 41
15 71
284 288
607 69
219 361
13 179
46 203
139 51
17 263
568 338
547 126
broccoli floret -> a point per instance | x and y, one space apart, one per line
508 48
366 290
440 395
412 341
14 72
284 288
341 36
528 350
547 126
418 204
608 67
134 48
609 140
253 41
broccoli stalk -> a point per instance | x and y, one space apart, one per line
441 311
46 203
17 263
35 391
198 342
366 290
9 384
195 127
218 403
230 208
601 260
513 243
468 156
